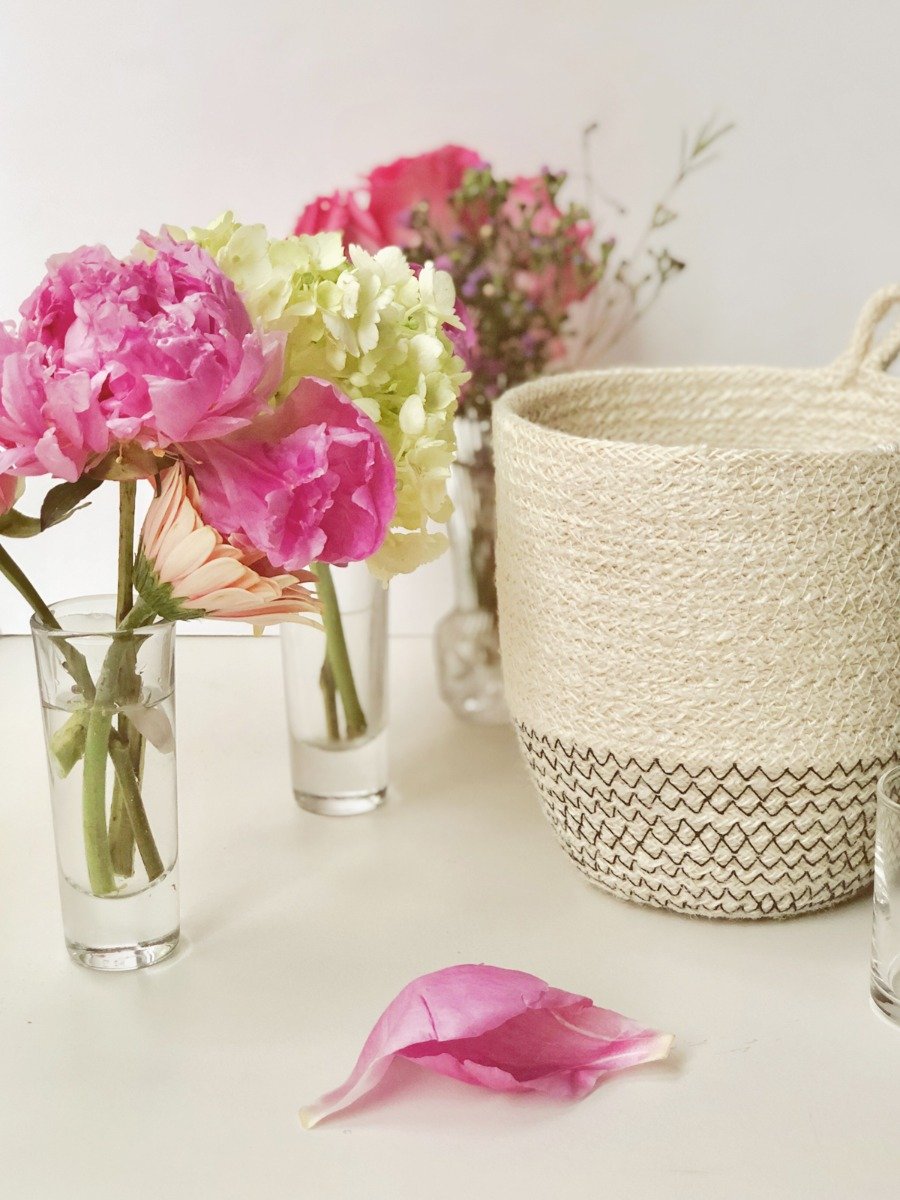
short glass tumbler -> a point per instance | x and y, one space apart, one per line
886 919
109 722
336 692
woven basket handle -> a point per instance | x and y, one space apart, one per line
865 353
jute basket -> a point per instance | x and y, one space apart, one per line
699 586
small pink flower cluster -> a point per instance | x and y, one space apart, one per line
121 369
519 260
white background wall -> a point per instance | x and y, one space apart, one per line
120 116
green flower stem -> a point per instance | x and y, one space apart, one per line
75 662
26 588
338 657
122 837
96 748
121 833
120 753
329 697
125 594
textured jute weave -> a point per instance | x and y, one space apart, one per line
699 586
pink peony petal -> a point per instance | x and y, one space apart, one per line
158 352
499 1029
311 479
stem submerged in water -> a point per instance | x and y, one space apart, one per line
96 748
338 671
100 741
127 780
121 833
329 698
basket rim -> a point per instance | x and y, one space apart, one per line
882 385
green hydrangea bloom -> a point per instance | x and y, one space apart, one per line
378 332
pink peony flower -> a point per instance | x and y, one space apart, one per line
433 177
145 352
499 1029
312 480
185 569
340 211
50 421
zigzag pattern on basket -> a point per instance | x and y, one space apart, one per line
720 843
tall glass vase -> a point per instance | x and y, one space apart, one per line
467 641
107 697
336 693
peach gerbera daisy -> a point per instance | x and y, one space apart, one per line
185 568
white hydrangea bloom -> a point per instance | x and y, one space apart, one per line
372 327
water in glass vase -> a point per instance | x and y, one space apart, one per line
136 923
336 688
340 779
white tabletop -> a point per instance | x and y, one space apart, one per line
185 1080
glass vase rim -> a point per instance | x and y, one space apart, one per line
104 605
887 792
378 590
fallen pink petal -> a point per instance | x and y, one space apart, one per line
503 1030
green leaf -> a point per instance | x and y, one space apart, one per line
17 525
67 744
64 499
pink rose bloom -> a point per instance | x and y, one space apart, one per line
113 352
432 177
312 480
341 212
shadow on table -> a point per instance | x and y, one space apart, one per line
416 1100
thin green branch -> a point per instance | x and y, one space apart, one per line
338 654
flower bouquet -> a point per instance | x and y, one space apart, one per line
545 287
292 411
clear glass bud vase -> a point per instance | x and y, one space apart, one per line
467 640
336 692
109 721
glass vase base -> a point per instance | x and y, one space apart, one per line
341 806
470 675
124 958
125 931
481 708
886 999
343 779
